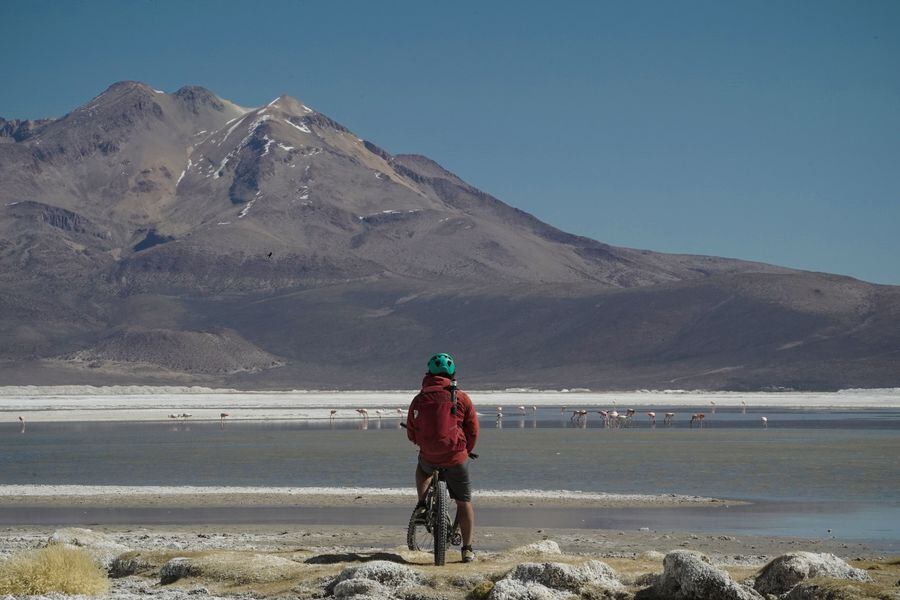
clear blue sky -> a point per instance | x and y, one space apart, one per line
759 130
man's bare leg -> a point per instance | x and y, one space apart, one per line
466 515
423 480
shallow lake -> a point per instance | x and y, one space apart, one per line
808 471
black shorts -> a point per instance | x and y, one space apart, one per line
457 478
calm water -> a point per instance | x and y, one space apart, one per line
841 464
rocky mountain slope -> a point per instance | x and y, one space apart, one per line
145 221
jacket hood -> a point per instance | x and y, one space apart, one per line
435 381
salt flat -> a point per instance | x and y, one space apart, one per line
138 403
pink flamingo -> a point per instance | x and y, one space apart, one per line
667 421
652 416
363 413
699 418
521 410
614 418
605 415
765 422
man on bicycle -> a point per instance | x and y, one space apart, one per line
446 434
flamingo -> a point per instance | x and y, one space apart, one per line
378 413
22 421
699 418
223 415
533 409
614 418
332 413
765 422
363 413
605 416
400 412
668 419
712 403
173 416
186 415
629 416
743 407
652 416
521 410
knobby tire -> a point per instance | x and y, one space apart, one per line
441 520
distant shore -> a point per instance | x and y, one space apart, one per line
151 496
139 403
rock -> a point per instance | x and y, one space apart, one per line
553 581
510 589
358 589
103 548
561 576
537 548
688 575
786 571
390 575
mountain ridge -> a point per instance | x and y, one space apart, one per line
189 204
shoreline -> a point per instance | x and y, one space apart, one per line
84 404
223 496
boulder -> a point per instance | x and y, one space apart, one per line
538 548
389 575
561 576
786 571
103 548
360 589
689 575
510 589
554 581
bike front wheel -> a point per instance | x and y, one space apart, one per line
441 523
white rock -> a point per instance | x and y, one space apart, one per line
786 571
358 589
537 548
510 589
688 575
389 574
561 576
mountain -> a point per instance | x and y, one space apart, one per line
154 237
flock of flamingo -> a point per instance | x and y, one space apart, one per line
611 418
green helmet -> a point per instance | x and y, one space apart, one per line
441 364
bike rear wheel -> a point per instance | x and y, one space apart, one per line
418 534
441 520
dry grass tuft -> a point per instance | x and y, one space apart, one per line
56 568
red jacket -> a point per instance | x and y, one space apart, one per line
466 418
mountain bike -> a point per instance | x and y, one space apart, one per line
433 531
